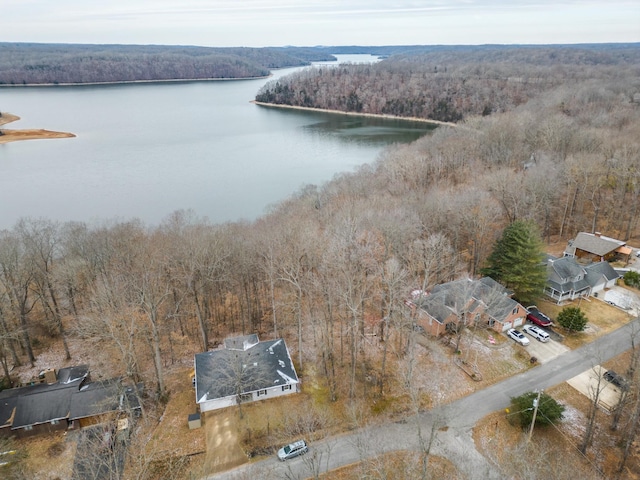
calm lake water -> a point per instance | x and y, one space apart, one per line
147 150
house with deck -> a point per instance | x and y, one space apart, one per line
569 280
595 247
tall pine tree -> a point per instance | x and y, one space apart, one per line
517 261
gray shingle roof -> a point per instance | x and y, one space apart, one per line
598 245
242 342
467 295
225 372
568 272
566 268
600 269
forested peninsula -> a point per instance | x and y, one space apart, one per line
45 64
449 84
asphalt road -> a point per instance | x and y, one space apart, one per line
450 424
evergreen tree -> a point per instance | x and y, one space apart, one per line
517 261
548 409
572 318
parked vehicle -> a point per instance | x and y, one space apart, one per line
616 379
518 336
293 450
536 316
536 332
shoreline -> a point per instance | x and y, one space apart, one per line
128 82
372 115
26 134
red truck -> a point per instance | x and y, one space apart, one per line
536 316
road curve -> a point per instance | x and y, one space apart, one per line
448 427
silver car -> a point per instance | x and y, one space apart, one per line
293 450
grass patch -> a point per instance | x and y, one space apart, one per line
602 319
401 465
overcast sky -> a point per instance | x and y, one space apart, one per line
258 23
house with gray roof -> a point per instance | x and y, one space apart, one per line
466 302
595 247
569 280
244 369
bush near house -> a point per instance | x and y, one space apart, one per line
572 318
632 279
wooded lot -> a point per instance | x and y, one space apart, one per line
547 135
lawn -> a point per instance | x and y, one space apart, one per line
602 319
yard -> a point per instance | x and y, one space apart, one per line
168 445
602 318
556 445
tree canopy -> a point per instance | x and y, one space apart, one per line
548 409
517 261
572 318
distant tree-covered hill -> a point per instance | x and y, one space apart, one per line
32 63
448 83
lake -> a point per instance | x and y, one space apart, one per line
146 150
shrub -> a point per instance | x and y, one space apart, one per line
572 318
632 278
548 409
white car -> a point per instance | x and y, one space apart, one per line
518 336
536 332
293 450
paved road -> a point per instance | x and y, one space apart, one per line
453 442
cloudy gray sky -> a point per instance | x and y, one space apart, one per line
257 23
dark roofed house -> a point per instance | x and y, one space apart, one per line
466 301
95 401
43 410
568 280
595 247
245 369
47 407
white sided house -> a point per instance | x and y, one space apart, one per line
243 370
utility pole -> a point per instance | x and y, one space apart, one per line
536 402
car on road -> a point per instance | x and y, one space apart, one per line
293 450
536 332
518 336
536 316
616 379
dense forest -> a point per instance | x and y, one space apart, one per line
547 135
33 63
567 159
449 84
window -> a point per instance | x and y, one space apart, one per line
28 428
262 392
515 310
55 422
286 387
